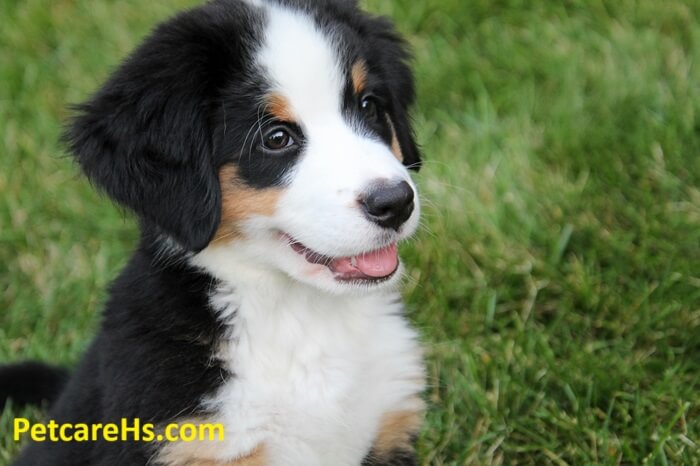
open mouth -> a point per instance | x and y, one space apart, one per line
372 266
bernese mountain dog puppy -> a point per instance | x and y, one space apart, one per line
265 147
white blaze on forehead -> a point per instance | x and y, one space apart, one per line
302 64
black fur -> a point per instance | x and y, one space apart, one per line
151 360
154 138
387 57
31 383
146 138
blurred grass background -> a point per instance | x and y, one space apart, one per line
556 280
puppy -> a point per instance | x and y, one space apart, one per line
265 147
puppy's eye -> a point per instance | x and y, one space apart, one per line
370 107
278 139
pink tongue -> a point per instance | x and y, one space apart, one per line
376 264
379 263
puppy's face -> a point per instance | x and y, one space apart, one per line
285 141
316 186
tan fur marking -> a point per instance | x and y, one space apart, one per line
172 455
395 147
240 202
279 107
396 433
358 74
204 452
256 458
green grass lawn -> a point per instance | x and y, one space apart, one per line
556 279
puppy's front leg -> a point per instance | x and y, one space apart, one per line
397 458
395 441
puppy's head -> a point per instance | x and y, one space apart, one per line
263 135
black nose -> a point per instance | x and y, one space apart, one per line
389 203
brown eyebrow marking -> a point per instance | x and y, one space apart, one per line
395 147
279 107
358 74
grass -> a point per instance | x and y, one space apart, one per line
557 279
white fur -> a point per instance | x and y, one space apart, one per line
312 373
315 363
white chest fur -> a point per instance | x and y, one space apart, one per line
312 373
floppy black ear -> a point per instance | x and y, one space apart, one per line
392 57
145 138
